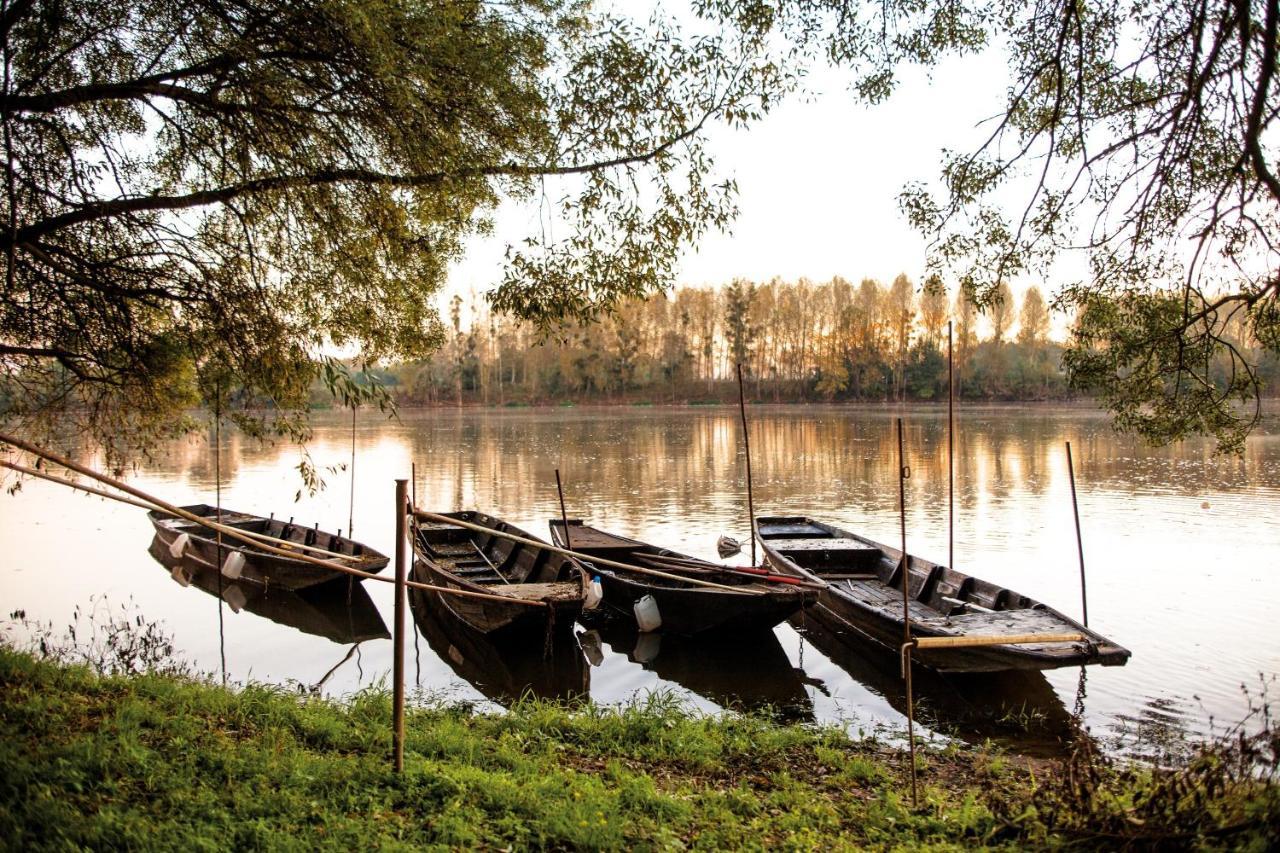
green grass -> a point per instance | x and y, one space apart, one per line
158 761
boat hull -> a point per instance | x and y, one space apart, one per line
261 568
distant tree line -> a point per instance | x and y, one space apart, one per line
797 341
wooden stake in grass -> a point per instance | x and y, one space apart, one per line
397 720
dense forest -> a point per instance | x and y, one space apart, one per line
797 341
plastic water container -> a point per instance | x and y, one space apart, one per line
595 594
589 642
233 565
647 648
178 546
647 615
235 598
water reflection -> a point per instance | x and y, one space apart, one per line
748 672
501 671
341 612
1179 543
1017 709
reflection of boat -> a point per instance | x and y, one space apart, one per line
865 596
1018 708
684 608
339 612
260 567
749 672
504 669
483 562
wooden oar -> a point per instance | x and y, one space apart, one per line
599 561
261 537
239 534
993 640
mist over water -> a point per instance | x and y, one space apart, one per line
1182 549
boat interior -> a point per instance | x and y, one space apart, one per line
592 541
487 559
873 572
285 531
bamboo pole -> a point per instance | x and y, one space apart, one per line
761 575
599 561
903 473
32 472
240 534
1075 511
746 446
351 506
397 719
258 537
564 518
951 453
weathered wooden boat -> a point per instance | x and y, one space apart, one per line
864 596
504 669
339 612
753 603
459 558
260 567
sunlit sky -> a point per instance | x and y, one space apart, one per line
818 182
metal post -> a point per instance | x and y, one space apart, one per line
1075 510
746 446
397 711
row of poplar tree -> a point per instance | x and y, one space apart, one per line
796 341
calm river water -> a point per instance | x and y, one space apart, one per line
1183 554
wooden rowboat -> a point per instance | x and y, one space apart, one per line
259 567
465 559
756 602
864 597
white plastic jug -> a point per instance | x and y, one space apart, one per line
647 648
595 594
647 615
178 546
235 598
233 565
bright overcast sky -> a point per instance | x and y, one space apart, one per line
818 182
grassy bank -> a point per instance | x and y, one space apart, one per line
155 761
